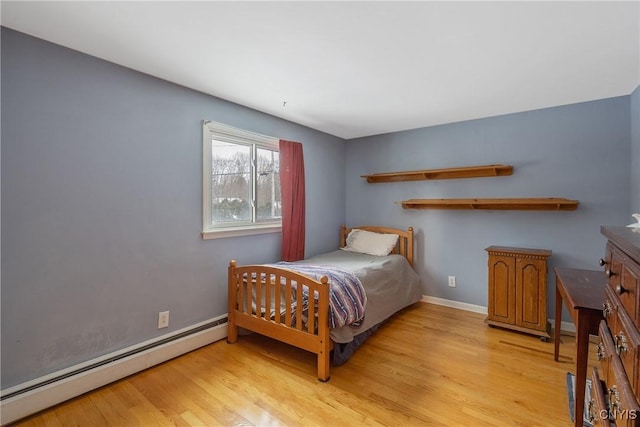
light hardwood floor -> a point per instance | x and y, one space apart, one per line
428 365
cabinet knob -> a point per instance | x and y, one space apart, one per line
621 344
601 352
614 397
591 410
602 262
606 309
609 273
621 289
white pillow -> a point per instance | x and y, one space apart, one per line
367 242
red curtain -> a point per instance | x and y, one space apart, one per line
293 202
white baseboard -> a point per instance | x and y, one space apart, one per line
42 397
565 327
455 304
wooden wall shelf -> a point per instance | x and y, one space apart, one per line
522 204
448 173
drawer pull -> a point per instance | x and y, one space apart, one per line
621 289
602 262
614 398
591 410
621 344
601 353
606 309
609 273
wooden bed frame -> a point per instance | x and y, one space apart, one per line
277 293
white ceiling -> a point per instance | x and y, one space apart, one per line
361 68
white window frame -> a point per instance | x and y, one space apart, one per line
233 135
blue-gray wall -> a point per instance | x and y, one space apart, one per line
635 151
579 151
101 206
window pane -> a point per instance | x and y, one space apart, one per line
230 182
268 187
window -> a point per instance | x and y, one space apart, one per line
241 182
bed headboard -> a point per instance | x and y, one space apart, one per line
405 241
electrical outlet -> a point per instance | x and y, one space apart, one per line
452 282
163 319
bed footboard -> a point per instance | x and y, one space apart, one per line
281 304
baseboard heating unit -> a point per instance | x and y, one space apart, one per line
28 398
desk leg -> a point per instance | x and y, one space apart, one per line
582 356
558 321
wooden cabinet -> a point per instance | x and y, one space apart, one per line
615 397
518 289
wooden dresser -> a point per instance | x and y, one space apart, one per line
518 289
616 384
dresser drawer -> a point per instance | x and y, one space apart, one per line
624 285
622 404
618 393
613 265
626 340
630 281
597 408
610 308
606 350
608 255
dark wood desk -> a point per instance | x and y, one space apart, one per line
583 293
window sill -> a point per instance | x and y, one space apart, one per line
240 231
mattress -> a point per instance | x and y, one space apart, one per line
389 282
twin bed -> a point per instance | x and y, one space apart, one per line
332 301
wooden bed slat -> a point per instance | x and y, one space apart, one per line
267 297
288 316
257 285
299 307
278 298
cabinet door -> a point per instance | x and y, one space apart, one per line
502 289
531 292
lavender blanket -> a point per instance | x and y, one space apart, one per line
347 297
